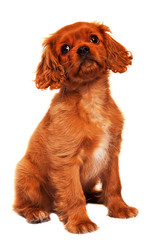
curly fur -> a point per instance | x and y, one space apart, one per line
77 143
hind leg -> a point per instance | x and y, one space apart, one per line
29 197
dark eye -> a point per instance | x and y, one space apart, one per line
94 39
65 49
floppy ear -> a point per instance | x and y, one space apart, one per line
49 71
118 58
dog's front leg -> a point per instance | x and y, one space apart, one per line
112 192
70 202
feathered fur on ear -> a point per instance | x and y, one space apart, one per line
118 58
49 71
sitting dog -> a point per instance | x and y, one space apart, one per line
77 143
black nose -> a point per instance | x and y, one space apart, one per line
83 51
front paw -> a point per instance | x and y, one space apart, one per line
122 210
36 215
81 227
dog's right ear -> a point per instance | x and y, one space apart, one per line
50 73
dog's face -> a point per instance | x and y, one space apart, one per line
82 53
79 53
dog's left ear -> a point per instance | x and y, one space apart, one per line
50 73
118 58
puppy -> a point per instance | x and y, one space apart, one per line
77 143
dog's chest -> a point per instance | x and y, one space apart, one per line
97 156
100 156
100 152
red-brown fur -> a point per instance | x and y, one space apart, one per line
77 143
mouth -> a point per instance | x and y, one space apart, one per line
88 67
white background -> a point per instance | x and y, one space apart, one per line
136 25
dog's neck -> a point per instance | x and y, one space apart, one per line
71 87
93 99
90 101
89 98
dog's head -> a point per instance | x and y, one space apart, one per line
79 53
